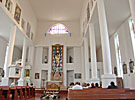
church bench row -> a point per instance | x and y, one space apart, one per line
17 92
101 94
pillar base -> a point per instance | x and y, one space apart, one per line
94 80
20 82
107 78
5 81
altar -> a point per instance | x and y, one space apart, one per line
53 87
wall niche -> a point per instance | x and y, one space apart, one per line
45 55
70 55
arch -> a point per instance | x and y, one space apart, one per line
58 29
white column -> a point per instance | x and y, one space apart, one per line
108 76
9 54
64 67
86 55
132 7
21 80
94 77
49 62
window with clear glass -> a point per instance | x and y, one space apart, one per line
58 29
118 55
132 31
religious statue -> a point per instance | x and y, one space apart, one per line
70 59
46 60
115 71
131 66
124 68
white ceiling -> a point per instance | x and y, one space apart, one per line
117 12
59 10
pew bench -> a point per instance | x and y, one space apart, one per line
101 94
17 92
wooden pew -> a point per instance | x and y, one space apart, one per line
100 94
6 92
17 92
1 96
20 92
13 91
24 91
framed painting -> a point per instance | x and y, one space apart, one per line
27 72
23 24
17 14
8 5
78 76
36 75
28 29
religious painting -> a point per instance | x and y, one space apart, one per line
131 66
88 12
77 75
17 13
27 72
8 5
28 29
57 62
23 24
36 75
124 68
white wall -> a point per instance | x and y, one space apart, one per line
99 55
43 27
3 45
28 15
113 53
17 54
77 65
39 66
126 48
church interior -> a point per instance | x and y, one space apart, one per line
45 45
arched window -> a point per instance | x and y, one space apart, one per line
58 29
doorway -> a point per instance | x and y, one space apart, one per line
44 77
70 77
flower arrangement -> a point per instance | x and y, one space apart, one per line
50 96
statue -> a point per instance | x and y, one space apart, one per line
46 60
131 66
115 71
124 68
70 59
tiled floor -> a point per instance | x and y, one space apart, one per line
37 97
